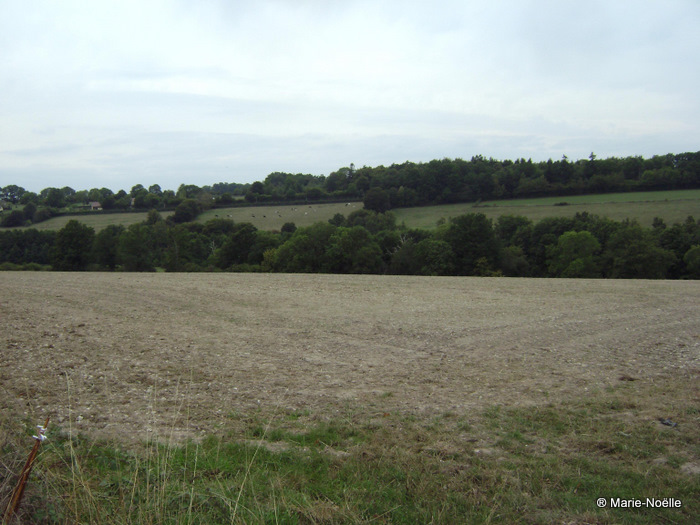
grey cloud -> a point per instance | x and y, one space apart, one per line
231 91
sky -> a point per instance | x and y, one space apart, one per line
103 93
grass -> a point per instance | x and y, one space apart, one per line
672 206
262 217
542 464
275 216
98 221
637 196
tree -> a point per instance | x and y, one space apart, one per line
29 196
186 211
27 246
678 238
373 221
257 189
42 214
264 241
305 251
543 234
80 197
219 228
338 180
237 247
225 198
68 193
314 194
434 257
54 198
134 249
337 220
108 202
104 247
403 259
590 167
153 217
632 254
352 250
145 200
288 227
170 199
73 247
513 262
12 193
692 262
472 238
121 200
377 200
99 194
186 249
29 211
15 218
513 230
574 255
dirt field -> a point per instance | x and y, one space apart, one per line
127 355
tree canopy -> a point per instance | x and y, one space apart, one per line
369 242
382 188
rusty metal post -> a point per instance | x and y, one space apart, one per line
24 476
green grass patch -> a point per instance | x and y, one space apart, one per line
541 464
262 217
98 221
273 217
602 198
671 206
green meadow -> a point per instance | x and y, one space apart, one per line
98 221
547 464
671 206
275 216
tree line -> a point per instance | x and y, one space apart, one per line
24 208
383 188
457 180
370 242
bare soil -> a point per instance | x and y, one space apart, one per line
130 355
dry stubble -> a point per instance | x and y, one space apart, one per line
134 355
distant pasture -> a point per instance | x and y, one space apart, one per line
671 206
275 216
97 220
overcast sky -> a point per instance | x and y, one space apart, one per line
102 93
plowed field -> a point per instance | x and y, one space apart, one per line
126 355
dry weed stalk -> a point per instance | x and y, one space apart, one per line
24 476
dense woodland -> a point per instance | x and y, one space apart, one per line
369 240
380 188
